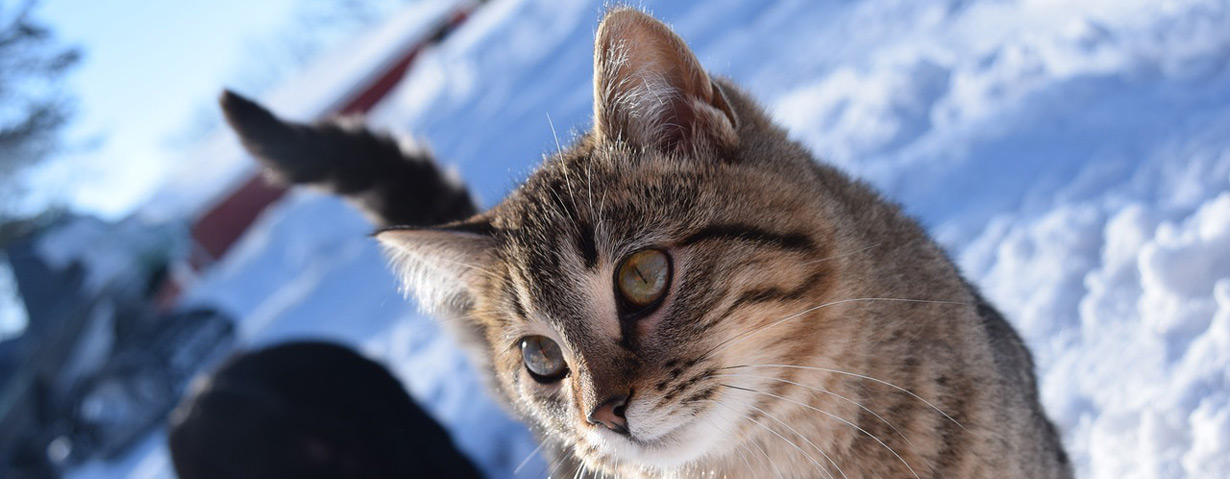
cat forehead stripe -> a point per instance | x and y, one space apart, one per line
738 232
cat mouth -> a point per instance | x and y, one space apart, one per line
633 449
670 448
657 442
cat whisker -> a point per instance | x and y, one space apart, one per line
559 151
562 206
589 193
601 227
554 466
740 449
724 345
831 393
808 441
768 459
861 376
527 460
834 416
818 467
813 460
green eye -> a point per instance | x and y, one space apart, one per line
543 358
642 277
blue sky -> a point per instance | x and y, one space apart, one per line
149 67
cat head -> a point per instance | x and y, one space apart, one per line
609 292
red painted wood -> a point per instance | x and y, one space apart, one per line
378 89
223 224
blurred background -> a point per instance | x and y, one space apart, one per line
1072 157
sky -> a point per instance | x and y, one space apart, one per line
150 68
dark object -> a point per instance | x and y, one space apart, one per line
100 363
308 410
392 183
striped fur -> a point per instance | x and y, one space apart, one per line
392 182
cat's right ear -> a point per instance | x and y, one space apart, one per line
442 267
650 91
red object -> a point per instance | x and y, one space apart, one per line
223 224
383 84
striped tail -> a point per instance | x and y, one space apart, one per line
393 184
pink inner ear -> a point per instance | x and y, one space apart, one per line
650 90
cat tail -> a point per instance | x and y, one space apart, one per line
393 183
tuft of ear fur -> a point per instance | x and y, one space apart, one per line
441 267
651 91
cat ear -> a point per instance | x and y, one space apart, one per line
650 91
441 267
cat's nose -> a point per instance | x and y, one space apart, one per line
611 414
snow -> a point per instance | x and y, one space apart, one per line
1073 157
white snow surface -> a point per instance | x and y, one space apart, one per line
1073 158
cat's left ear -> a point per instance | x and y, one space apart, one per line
446 268
650 90
443 267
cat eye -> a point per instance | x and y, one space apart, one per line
543 358
642 277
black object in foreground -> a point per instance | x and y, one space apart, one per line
308 410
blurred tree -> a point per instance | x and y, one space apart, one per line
33 106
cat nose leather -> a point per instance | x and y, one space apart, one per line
611 414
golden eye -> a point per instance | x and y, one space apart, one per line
642 277
543 358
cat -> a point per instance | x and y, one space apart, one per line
685 291
307 409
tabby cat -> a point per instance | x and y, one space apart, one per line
686 292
